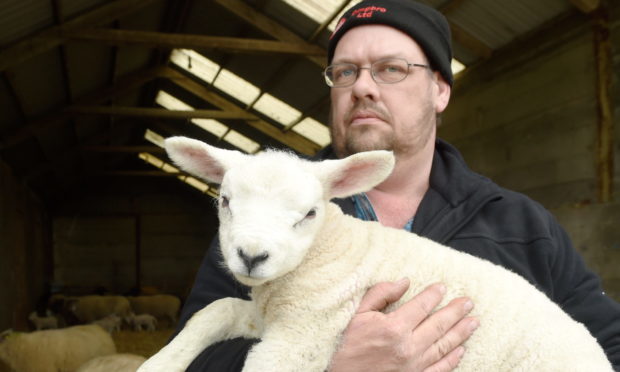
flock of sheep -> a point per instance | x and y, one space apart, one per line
77 334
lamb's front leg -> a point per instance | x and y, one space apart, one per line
295 346
221 320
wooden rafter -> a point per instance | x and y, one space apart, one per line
148 112
53 36
169 40
129 82
266 24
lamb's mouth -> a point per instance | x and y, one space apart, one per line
250 280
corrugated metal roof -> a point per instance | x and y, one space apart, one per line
20 18
497 23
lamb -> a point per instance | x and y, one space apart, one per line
56 350
113 362
88 309
309 265
43 322
141 322
161 306
111 323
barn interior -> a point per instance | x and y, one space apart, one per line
90 203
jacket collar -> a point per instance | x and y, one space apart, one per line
456 194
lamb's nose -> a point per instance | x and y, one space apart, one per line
251 262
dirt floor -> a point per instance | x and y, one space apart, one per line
141 343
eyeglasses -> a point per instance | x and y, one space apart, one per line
383 71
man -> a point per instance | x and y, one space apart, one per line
390 77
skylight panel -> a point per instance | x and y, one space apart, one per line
319 10
276 109
239 140
236 87
195 63
170 102
456 66
212 126
153 160
313 130
196 183
333 23
154 138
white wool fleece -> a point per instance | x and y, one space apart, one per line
313 264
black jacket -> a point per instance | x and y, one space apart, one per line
469 213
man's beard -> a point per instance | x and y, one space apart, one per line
364 137
368 138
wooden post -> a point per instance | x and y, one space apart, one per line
605 128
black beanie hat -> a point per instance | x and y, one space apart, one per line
424 24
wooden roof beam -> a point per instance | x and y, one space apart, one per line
170 40
127 83
149 112
267 25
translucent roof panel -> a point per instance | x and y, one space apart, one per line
239 140
196 183
213 126
332 25
195 64
166 167
313 130
457 66
153 160
236 87
154 138
277 109
170 102
319 10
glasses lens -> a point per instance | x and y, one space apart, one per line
390 70
341 74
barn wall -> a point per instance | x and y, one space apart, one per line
25 251
118 238
528 119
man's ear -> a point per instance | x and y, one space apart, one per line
354 174
200 159
443 93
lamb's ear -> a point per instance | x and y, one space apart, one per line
203 160
356 173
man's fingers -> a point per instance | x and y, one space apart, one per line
449 362
448 327
414 311
379 296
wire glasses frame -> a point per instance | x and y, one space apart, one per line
383 71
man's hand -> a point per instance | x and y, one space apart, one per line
407 339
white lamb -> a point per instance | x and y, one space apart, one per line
111 323
309 266
43 322
162 306
146 322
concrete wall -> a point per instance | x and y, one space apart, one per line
528 119
24 251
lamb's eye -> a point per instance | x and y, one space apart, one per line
224 202
311 213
